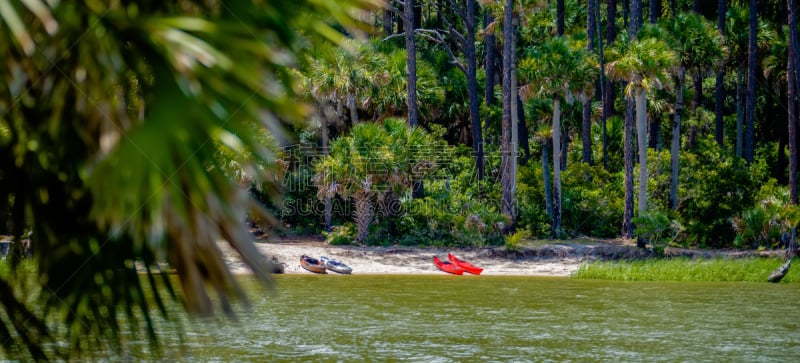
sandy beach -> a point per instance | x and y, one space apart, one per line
405 260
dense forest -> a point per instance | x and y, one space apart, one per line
664 121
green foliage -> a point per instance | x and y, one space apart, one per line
514 240
765 224
378 162
344 234
657 229
713 188
685 269
592 201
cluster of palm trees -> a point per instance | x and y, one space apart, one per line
557 49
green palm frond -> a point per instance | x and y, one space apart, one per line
124 128
561 66
646 65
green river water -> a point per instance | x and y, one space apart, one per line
442 318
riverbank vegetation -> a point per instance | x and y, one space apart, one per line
719 269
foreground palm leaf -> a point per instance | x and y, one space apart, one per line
112 118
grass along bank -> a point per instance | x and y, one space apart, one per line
751 269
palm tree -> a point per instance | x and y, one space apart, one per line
411 58
560 68
699 49
792 83
750 105
508 177
128 117
591 27
719 92
375 160
645 65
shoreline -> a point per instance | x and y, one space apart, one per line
401 260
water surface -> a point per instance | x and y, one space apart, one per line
500 318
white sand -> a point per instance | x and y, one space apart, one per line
400 260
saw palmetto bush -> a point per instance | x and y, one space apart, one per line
112 119
375 162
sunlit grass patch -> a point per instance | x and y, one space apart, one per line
687 269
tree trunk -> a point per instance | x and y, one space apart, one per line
522 131
556 224
472 90
548 195
641 131
411 63
719 91
417 15
739 109
491 56
388 22
655 11
611 21
351 105
676 142
608 86
654 126
792 99
591 27
655 119
587 131
698 91
324 136
506 179
636 18
750 106
363 214
627 213
560 17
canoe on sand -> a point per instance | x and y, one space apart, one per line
312 264
447 266
466 266
335 266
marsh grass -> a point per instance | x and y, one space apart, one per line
686 269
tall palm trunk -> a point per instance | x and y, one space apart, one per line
324 136
418 189
719 91
641 132
792 99
506 180
556 225
608 86
548 195
411 63
491 56
750 106
591 26
627 213
363 214
655 119
739 110
655 10
472 90
676 141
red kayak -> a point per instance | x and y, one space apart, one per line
464 265
448 267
